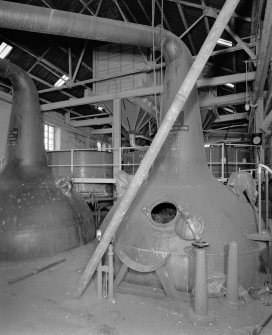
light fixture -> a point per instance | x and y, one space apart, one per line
224 42
61 81
229 110
5 49
230 85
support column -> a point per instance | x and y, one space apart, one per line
116 134
259 117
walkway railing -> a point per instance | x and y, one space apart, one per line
264 173
129 159
228 161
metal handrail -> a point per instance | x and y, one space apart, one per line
120 165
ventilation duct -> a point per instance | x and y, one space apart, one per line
180 186
37 217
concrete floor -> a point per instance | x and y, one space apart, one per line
42 304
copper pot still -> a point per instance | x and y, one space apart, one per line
37 216
181 202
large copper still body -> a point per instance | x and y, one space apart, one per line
182 202
37 218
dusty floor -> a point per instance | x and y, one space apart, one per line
42 304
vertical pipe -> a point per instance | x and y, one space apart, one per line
168 122
70 62
266 199
120 157
199 313
232 277
116 134
201 289
72 161
236 159
260 198
222 161
210 155
110 271
99 281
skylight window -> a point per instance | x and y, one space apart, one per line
225 43
5 49
61 81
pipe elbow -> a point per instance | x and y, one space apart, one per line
17 76
174 48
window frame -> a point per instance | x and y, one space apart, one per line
49 137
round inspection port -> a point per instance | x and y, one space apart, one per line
163 213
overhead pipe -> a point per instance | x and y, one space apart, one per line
50 21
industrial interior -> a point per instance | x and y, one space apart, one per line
135 167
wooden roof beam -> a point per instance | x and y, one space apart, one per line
211 13
221 80
224 100
203 7
98 8
144 11
85 6
206 20
232 117
191 26
101 98
92 122
232 49
184 21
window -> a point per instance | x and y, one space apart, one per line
49 137
99 145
